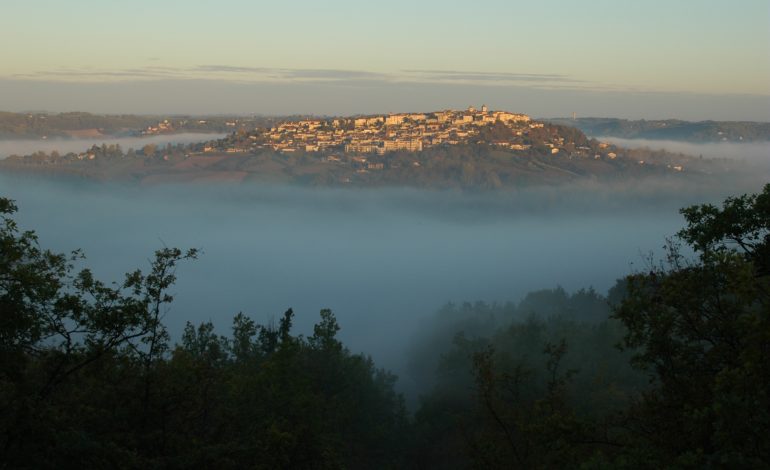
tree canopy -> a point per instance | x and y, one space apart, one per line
89 377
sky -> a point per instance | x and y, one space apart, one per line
652 59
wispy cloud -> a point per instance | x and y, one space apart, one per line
229 69
258 74
100 75
293 74
470 76
334 74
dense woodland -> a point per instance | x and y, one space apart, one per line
669 369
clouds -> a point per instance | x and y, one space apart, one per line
90 74
256 74
487 77
553 45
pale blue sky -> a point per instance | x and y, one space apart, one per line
595 48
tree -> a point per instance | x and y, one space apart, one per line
57 322
149 150
702 332
87 377
742 225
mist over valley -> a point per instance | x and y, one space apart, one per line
383 260
754 153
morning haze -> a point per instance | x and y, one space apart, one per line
282 235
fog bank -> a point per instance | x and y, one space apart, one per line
381 259
757 153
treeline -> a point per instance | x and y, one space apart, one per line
672 129
669 370
100 154
36 125
453 324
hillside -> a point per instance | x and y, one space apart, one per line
671 129
79 124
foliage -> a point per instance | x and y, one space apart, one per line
89 379
742 225
703 333
538 392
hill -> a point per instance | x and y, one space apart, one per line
671 129
472 149
79 124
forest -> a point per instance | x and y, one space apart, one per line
667 370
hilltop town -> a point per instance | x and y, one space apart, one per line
356 139
450 148
411 132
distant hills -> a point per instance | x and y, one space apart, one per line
671 129
40 125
